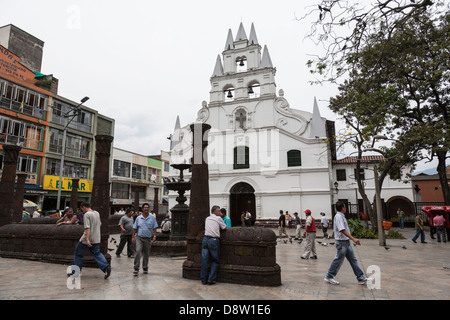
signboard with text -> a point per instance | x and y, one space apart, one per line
9 64
52 183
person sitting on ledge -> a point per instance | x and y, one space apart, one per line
68 218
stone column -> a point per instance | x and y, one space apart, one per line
136 200
74 195
199 206
18 198
7 183
101 187
156 201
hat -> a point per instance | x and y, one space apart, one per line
307 211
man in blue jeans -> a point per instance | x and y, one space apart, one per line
211 245
90 240
344 249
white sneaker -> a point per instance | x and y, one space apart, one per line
331 281
365 280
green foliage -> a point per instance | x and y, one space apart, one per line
394 234
359 230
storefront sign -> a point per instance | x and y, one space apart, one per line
9 64
52 183
32 178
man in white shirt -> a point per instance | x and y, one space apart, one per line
211 245
344 249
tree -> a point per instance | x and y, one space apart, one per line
396 49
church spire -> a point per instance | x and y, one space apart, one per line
241 35
317 125
229 45
176 137
266 62
253 39
218 69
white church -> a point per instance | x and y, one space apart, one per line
263 155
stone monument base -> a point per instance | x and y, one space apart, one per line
43 242
247 256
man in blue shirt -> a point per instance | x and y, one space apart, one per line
344 248
225 218
144 234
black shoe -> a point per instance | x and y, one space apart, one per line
424 242
414 240
302 257
314 257
108 272
211 282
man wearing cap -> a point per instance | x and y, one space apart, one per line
310 231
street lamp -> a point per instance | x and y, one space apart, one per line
77 110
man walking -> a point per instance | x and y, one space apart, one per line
90 240
344 249
211 245
144 234
310 230
419 229
126 225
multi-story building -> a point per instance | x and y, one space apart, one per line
131 173
34 116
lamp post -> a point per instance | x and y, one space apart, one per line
63 153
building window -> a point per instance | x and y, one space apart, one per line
340 175
241 158
154 175
141 190
361 174
121 168
294 158
138 172
27 164
120 191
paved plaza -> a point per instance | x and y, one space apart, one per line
421 271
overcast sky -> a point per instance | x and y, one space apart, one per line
143 63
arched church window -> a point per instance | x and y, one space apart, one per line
229 94
294 158
241 158
254 90
241 64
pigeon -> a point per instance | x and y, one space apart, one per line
300 241
324 244
403 247
319 242
112 239
446 268
387 248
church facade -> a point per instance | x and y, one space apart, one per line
263 155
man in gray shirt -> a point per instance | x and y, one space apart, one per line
126 225
344 249
90 240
